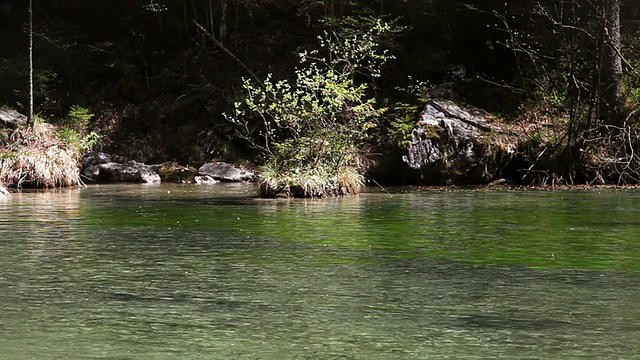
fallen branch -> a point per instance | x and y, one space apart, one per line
476 124
221 46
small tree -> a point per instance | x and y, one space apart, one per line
30 119
311 131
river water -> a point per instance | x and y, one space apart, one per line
190 272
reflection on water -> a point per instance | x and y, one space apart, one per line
166 272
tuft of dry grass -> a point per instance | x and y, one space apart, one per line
313 183
38 157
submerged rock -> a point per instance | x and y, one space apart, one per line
452 145
131 171
173 172
222 171
204 180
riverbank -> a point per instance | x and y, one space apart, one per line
512 188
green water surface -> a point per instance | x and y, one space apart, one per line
191 272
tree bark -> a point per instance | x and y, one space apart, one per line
612 100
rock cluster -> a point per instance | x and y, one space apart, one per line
98 167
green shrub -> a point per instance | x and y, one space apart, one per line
315 126
402 115
74 129
78 118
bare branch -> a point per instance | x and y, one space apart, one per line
224 48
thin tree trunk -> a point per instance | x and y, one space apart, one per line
219 14
223 20
30 119
612 100
211 19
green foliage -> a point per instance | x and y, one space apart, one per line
10 155
633 101
359 45
548 100
322 118
74 129
82 142
402 115
632 88
78 118
402 123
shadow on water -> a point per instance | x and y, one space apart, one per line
212 303
502 322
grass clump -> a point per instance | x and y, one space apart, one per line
314 183
43 156
38 158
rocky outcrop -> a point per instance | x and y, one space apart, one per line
222 171
452 145
12 118
173 172
131 171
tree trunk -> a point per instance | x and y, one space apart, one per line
220 15
612 100
30 119
211 16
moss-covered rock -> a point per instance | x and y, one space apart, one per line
173 172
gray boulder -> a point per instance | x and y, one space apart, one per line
222 171
131 171
12 118
452 145
95 158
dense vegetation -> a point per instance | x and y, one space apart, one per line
328 83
